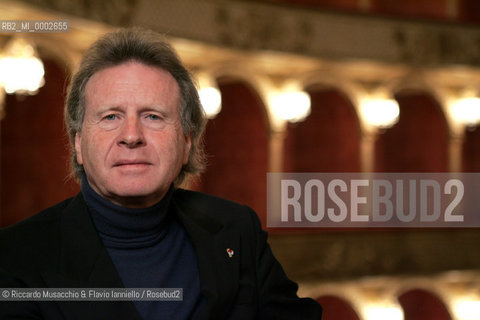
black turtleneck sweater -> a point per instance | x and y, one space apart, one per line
150 249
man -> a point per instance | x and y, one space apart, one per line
135 125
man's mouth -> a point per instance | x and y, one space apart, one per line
132 164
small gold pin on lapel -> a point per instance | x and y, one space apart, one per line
230 252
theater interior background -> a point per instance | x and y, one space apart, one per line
416 61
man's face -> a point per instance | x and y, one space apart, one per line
132 144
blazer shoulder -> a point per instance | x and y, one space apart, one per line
33 232
45 216
211 206
204 198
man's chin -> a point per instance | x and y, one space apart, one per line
136 197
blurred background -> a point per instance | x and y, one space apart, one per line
289 86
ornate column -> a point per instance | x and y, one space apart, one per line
276 153
367 150
455 153
2 103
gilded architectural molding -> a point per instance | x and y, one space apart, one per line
117 13
334 256
332 36
258 26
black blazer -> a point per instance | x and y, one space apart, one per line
60 248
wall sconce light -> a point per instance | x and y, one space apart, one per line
467 111
210 96
380 312
292 106
380 113
467 309
21 71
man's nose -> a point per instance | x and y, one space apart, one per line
132 133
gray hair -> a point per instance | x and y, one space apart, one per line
149 48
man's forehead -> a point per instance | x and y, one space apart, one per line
126 65
131 74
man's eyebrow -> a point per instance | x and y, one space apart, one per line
149 108
103 109
155 108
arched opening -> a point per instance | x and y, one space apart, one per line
35 157
419 141
411 8
328 140
471 150
237 148
419 304
469 10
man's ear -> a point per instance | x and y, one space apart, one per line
78 149
188 146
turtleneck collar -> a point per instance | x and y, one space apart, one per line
121 227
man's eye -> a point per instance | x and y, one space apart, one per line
153 117
110 117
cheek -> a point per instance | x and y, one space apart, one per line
91 151
172 151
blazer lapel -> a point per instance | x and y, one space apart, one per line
218 268
84 263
